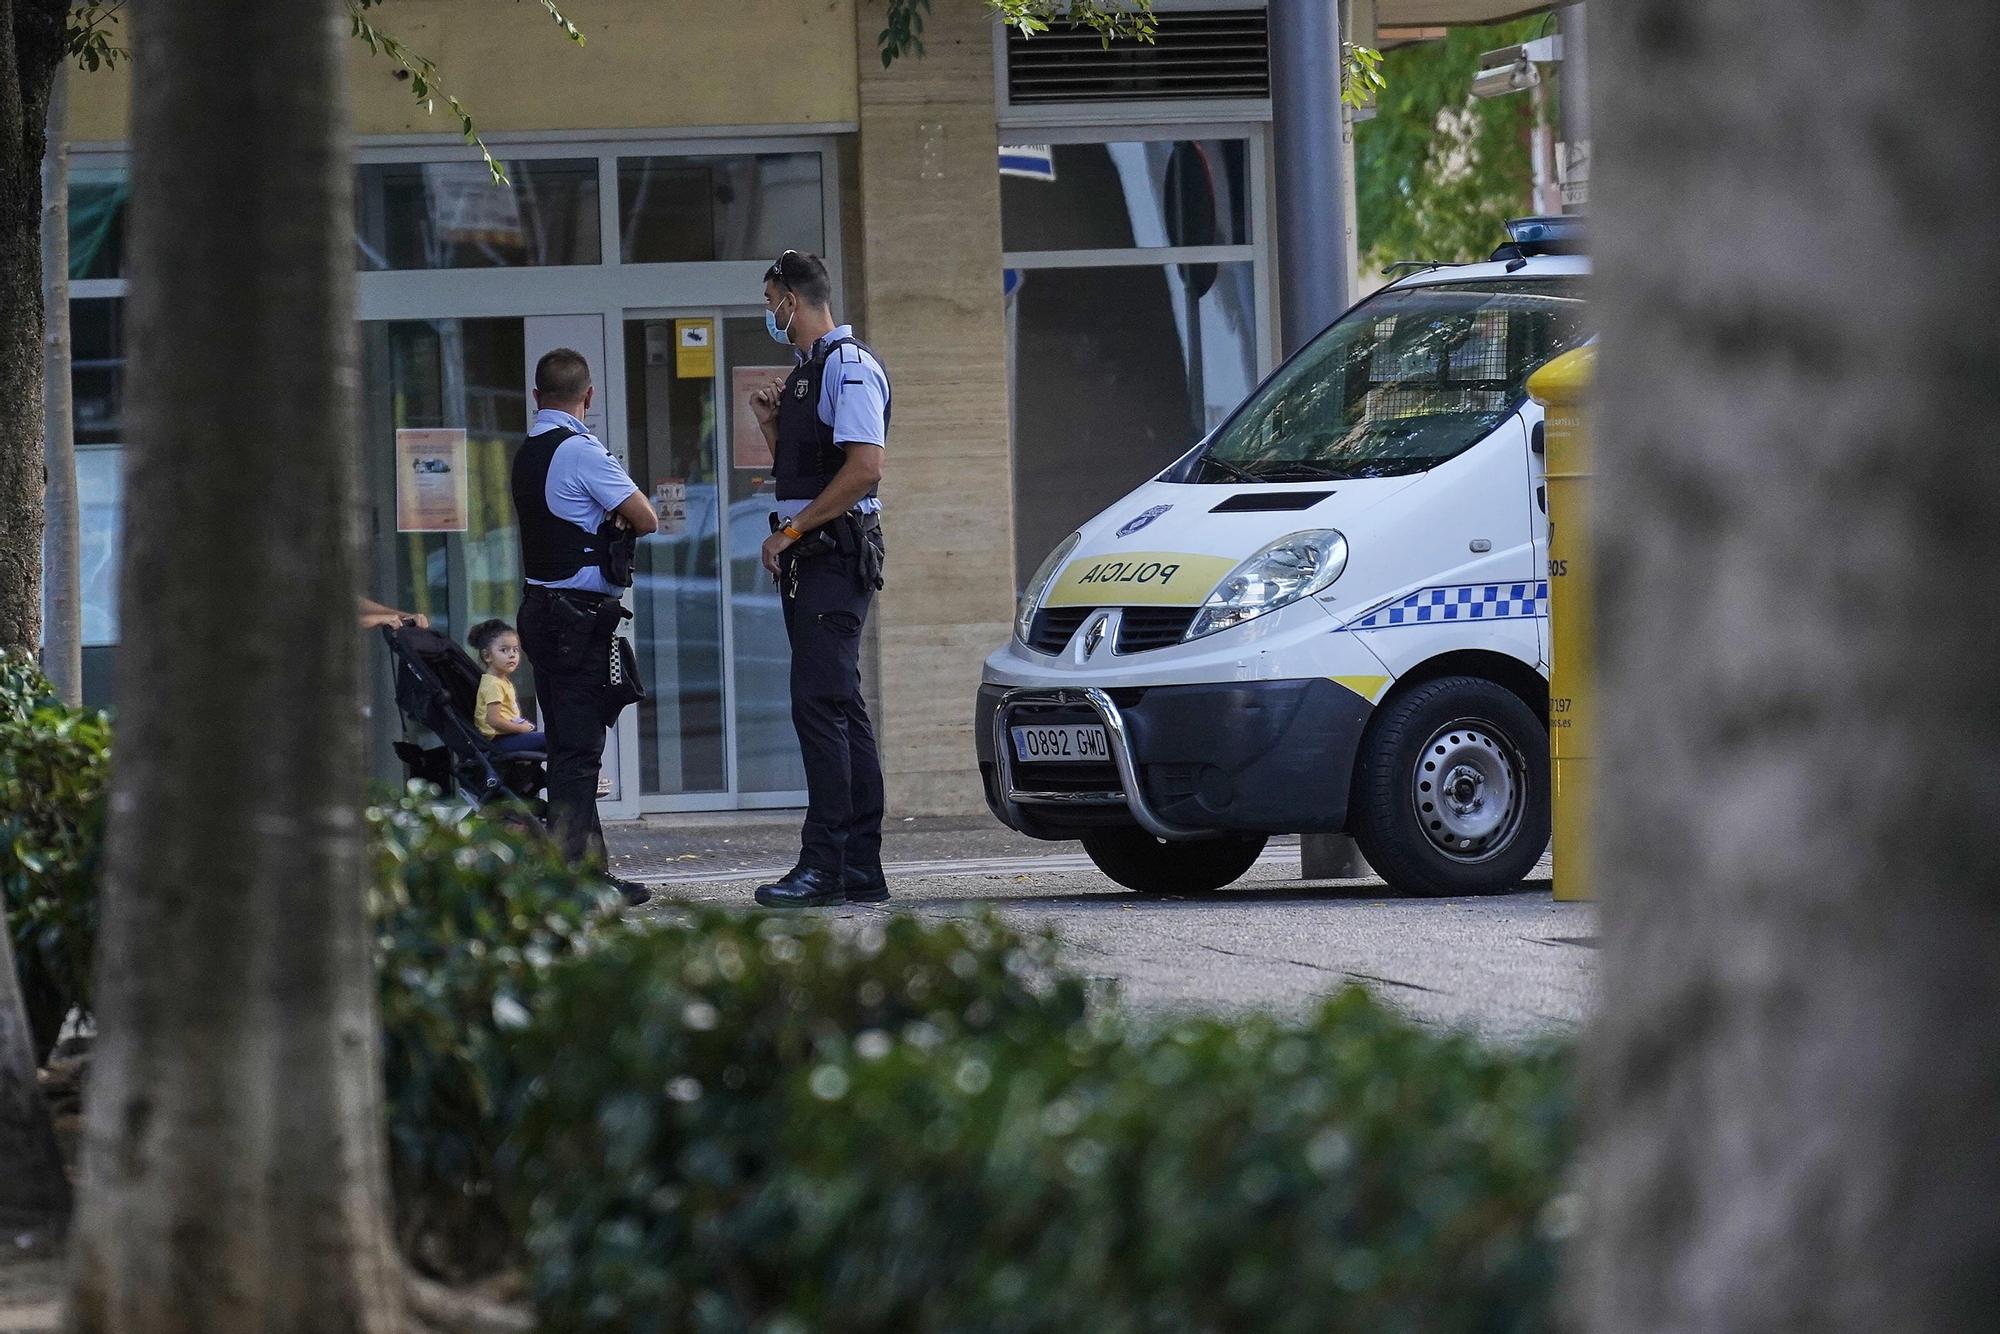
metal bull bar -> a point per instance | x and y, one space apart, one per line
1133 796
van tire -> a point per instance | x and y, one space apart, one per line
1138 861
1497 751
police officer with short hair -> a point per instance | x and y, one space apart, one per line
826 424
579 515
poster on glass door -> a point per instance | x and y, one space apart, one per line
431 492
750 450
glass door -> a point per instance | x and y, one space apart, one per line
715 728
445 397
767 749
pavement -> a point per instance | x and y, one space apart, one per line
1508 967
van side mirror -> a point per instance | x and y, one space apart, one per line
1536 440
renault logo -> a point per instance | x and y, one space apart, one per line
1095 636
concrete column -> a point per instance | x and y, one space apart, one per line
929 243
1574 72
1309 127
1314 168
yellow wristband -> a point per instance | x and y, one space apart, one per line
789 529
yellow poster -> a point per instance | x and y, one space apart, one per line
694 349
431 492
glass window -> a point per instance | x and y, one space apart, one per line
450 215
97 369
97 198
1117 371
689 209
97 388
1401 384
446 373
1188 192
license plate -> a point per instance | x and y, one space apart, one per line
1080 743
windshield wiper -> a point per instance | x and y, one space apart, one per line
1299 470
1240 474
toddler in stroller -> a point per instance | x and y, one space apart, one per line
437 689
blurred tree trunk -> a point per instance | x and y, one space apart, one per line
1793 1084
233 1173
62 637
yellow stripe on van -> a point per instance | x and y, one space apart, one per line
1369 688
1156 578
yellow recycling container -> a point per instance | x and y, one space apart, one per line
1562 388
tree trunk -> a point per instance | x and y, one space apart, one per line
31 44
62 637
30 48
233 1177
33 1189
1792 1087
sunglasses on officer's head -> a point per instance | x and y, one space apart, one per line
776 273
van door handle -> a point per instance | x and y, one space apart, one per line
1542 498
1536 444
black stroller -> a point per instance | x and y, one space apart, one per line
437 684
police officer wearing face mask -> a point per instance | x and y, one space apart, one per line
826 424
579 515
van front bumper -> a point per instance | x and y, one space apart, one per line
1272 757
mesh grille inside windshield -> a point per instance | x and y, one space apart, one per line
1402 384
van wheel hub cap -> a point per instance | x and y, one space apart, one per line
1469 789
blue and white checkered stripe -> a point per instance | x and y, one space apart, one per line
1460 602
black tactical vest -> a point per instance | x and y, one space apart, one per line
807 456
552 548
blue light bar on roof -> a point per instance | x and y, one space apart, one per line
1546 231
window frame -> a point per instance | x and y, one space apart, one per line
1257 251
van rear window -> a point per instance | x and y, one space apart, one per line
1401 384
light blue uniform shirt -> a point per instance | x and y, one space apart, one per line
854 401
585 484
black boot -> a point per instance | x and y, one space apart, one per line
805 887
865 886
634 892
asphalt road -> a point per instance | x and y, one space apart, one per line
1509 967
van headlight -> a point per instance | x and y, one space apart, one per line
1293 567
1038 586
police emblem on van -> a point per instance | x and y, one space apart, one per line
1138 521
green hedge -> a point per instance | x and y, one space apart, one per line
55 772
749 1124
470 917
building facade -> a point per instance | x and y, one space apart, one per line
1062 253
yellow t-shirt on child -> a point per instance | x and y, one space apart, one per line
495 690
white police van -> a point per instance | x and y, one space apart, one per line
1330 616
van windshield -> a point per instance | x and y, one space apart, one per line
1401 384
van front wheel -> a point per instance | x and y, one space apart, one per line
1137 860
1451 790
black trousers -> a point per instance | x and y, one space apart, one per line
825 608
571 669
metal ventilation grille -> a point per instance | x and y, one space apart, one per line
1143 629
1053 627
1195 54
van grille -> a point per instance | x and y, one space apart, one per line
1195 54
1143 629
1052 627
1140 629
